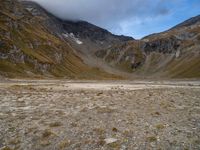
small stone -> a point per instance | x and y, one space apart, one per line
110 140
99 94
157 113
114 129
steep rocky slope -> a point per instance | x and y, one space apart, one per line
32 44
173 54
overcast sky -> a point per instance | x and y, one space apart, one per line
136 18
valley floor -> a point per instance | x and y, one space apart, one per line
94 115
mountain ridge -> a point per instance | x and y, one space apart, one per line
188 22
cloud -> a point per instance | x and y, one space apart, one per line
118 16
99 10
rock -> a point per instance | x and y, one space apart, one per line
114 129
110 140
99 94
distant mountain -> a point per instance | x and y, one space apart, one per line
87 38
171 54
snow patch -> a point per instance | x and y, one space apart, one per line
29 9
72 36
65 35
79 42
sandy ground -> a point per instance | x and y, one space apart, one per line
94 115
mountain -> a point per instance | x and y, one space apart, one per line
87 39
35 43
171 54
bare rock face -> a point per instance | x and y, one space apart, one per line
166 45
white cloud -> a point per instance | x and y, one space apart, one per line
114 15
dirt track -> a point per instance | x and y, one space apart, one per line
53 114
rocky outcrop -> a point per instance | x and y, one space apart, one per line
165 45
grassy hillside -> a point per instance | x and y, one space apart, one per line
29 49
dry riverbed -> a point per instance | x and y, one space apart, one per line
94 115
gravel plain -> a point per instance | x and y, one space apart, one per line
99 115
